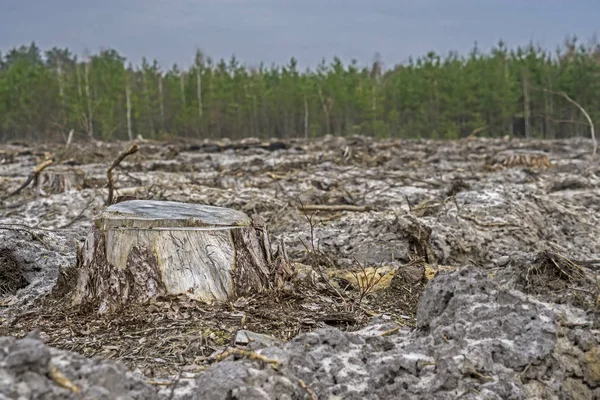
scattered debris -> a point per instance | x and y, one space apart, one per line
392 226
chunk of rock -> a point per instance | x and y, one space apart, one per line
474 339
31 261
254 339
31 370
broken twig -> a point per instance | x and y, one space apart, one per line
585 114
251 355
132 150
36 172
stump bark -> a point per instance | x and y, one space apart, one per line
142 249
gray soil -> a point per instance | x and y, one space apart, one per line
511 227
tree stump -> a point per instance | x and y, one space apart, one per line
142 249
60 179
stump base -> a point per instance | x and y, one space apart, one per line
142 249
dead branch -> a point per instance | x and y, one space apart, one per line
251 355
477 131
390 331
587 116
69 139
310 392
36 172
333 208
132 150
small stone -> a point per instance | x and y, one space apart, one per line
245 337
502 261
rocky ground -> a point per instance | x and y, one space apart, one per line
425 270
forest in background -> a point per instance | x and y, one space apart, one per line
46 94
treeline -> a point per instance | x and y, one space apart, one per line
517 91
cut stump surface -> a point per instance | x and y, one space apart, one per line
142 249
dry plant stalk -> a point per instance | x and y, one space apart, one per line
333 208
367 279
34 175
132 150
313 253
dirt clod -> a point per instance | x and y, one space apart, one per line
11 273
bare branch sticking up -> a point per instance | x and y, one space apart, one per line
587 116
476 131
132 150
69 139
36 172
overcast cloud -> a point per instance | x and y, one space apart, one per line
275 30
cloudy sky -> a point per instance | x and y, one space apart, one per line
275 30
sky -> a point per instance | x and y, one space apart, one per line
273 31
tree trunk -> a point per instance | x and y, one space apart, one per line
140 249
61 86
199 92
549 112
305 118
128 99
88 95
182 88
148 106
326 111
78 76
162 103
526 106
